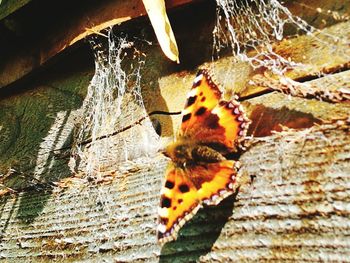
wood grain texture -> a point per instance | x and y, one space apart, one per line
313 54
293 204
296 208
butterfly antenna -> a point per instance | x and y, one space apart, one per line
131 125
159 112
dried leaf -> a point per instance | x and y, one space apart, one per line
157 14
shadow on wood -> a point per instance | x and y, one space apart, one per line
198 235
265 120
7 221
26 212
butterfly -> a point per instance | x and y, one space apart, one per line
199 172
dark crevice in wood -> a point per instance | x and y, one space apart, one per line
128 127
338 69
255 95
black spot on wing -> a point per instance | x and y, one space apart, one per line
203 99
212 121
164 220
222 103
186 117
180 201
166 202
195 85
201 111
184 188
190 101
169 184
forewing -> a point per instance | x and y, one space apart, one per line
226 125
204 95
208 120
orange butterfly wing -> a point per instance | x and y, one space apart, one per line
215 181
186 189
206 119
179 202
203 95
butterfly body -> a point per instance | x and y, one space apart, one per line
198 172
187 153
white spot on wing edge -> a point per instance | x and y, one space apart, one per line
163 212
164 191
198 79
222 192
237 111
192 93
214 197
206 201
161 228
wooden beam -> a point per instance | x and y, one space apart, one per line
95 17
324 53
7 7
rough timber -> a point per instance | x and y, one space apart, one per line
293 204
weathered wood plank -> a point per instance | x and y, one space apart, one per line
313 54
296 208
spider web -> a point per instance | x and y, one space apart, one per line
113 101
250 27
